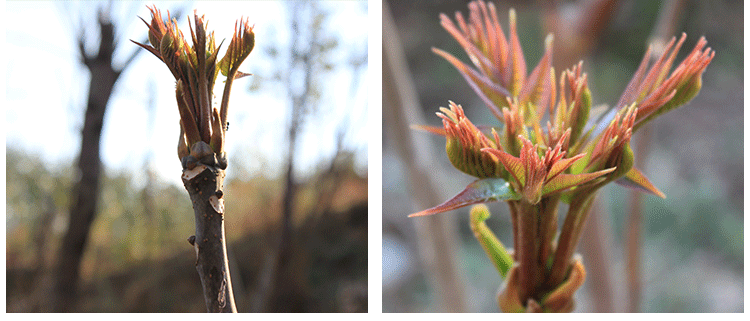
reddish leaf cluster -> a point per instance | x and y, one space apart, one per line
195 68
523 153
525 164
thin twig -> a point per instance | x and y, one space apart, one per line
85 195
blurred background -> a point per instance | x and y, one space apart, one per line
297 147
684 253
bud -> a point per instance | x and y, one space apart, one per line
200 150
157 29
217 132
614 142
199 36
508 298
561 299
514 127
186 115
580 113
656 94
170 50
682 95
573 108
182 144
622 159
165 46
534 177
464 143
242 43
221 160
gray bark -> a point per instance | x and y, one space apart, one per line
204 183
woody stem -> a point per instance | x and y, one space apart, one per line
547 230
212 264
527 219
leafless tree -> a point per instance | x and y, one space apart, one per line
104 75
300 78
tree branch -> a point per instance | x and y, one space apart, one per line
204 183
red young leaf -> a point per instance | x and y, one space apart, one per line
480 191
635 179
565 181
430 129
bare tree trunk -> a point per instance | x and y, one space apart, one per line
283 283
41 299
279 283
86 192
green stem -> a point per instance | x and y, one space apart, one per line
491 245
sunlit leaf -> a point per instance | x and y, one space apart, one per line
480 191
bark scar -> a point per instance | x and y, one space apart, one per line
222 292
217 204
189 174
197 257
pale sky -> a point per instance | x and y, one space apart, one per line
46 87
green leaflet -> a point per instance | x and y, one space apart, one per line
224 65
480 191
239 48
